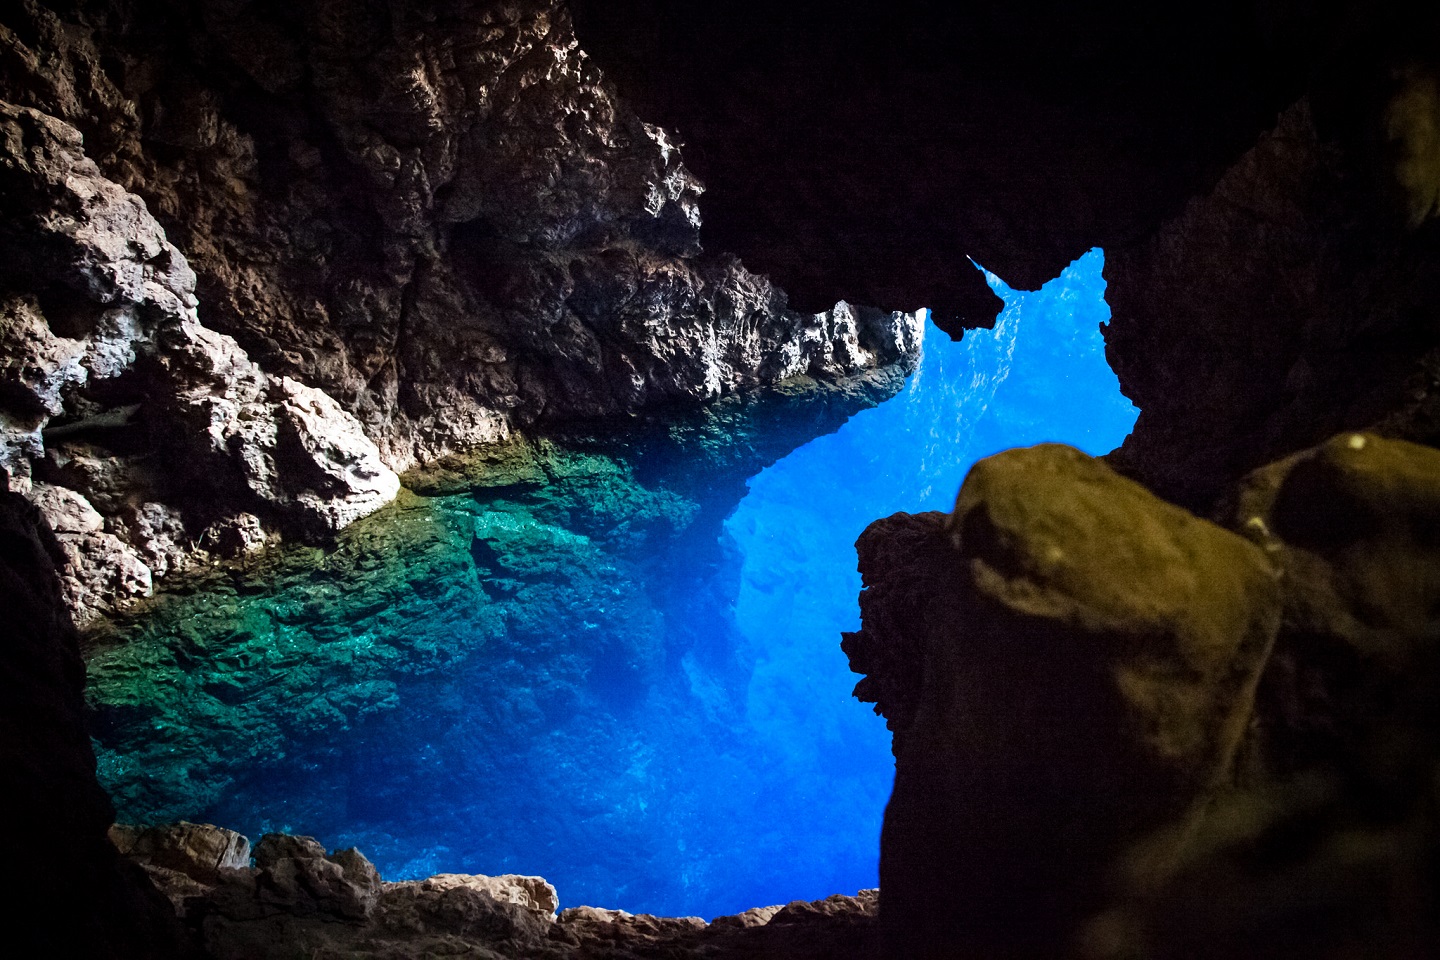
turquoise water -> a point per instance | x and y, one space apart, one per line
590 672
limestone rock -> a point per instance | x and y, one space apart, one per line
532 893
103 343
186 861
1350 521
427 267
101 570
906 561
201 851
754 917
296 872
294 895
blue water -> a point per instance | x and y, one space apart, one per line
1040 375
570 676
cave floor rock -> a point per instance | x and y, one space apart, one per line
299 900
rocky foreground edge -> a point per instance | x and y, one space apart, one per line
290 897
1122 730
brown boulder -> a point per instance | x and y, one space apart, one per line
1094 680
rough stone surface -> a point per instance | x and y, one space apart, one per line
288 902
1144 737
441 227
1319 853
1286 305
201 851
113 371
532 893
295 874
1087 659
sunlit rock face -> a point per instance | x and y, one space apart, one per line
436 232
100 324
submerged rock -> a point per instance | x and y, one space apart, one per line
417 686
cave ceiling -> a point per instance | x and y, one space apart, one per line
862 150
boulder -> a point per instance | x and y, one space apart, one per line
295 873
1090 656
532 893
201 851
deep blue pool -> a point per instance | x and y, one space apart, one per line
571 675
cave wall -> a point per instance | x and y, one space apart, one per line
261 257
1296 299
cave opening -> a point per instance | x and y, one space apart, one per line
613 677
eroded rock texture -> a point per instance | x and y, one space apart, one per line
259 260
159 416
1296 299
297 897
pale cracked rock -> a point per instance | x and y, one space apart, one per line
100 568
532 893
106 345
200 851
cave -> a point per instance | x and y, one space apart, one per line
401 395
